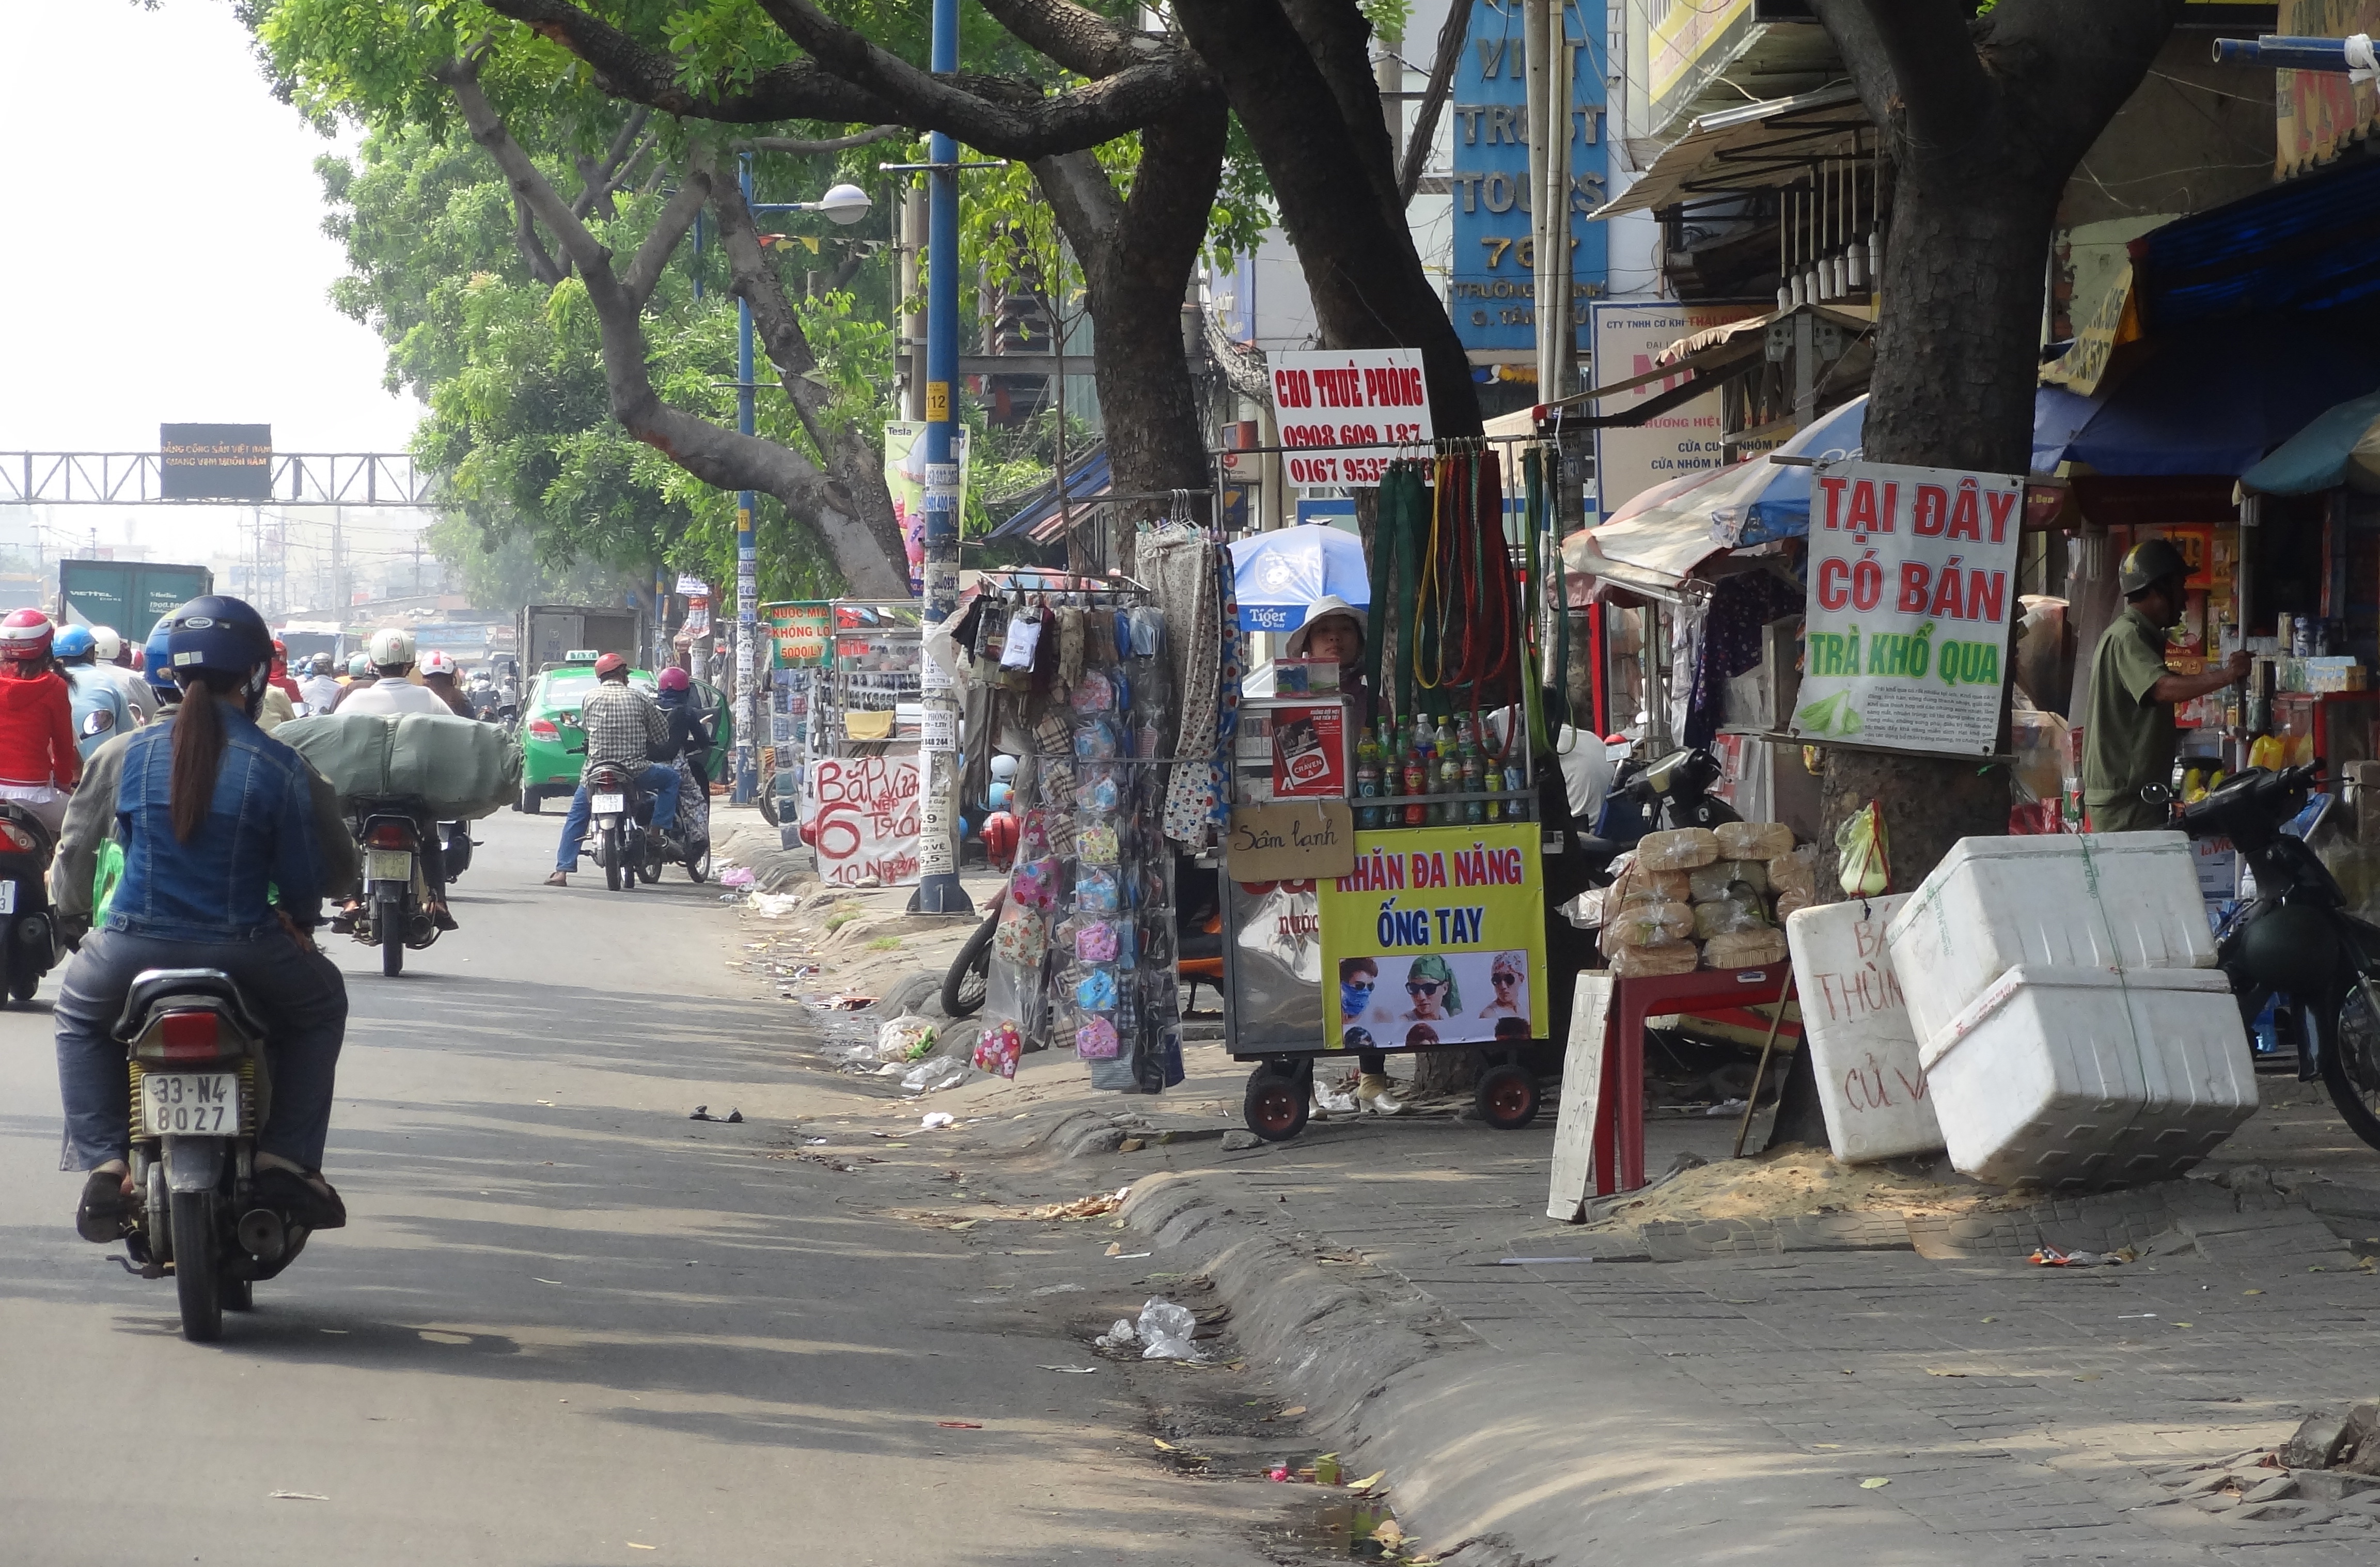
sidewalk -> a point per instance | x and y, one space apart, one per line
1848 1385
1716 1391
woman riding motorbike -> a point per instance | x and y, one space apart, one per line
690 742
211 813
37 759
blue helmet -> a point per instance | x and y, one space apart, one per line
221 634
157 663
74 642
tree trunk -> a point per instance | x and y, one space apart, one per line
1333 177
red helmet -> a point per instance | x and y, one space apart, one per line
1000 831
676 679
280 648
26 634
610 663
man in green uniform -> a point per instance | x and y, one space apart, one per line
2128 735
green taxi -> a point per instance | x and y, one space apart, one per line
552 748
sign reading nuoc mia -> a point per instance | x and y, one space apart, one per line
1912 584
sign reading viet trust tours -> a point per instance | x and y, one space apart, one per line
1345 415
1912 582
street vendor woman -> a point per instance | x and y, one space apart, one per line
2128 735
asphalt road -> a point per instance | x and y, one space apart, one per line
565 1325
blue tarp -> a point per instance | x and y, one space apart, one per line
2312 244
2212 400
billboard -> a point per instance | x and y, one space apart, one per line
1493 293
1630 459
214 462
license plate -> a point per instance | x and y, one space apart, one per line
388 865
7 897
190 1104
610 805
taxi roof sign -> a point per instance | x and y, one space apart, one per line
581 655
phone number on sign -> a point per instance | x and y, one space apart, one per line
1342 468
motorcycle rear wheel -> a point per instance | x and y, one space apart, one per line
969 979
608 851
697 867
2351 1062
198 1272
24 977
388 924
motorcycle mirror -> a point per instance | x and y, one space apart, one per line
2156 794
97 722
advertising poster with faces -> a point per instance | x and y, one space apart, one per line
1437 938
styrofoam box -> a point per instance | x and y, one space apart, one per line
2076 1078
1856 1029
2100 900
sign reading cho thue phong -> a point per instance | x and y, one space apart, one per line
1912 582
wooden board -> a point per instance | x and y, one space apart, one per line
1582 1095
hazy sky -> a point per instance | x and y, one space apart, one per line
201 296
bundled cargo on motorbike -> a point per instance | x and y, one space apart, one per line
462 770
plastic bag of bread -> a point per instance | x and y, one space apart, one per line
1787 903
1720 877
1662 957
1754 840
1645 924
1728 916
1683 849
1796 873
1636 885
1749 949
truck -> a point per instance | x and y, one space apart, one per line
130 596
550 633
304 638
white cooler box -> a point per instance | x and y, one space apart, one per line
2076 1078
2101 900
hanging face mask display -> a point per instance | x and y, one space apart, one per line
1023 639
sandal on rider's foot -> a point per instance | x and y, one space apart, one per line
441 919
344 922
105 1208
559 879
305 1202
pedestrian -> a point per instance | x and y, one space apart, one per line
2129 735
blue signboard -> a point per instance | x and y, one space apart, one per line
1493 294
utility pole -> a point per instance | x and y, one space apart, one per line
938 846
913 322
748 555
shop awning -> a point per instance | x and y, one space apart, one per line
2312 244
1754 147
2341 446
2211 400
1712 356
1042 518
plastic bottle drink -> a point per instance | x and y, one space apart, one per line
1449 781
1416 783
1475 782
1367 781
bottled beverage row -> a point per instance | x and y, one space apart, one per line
1443 766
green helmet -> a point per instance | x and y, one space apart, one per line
358 665
2149 563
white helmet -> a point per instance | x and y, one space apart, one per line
107 642
391 648
437 662
1003 767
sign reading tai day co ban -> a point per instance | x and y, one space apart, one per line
1912 580
1344 415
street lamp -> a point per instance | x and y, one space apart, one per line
845 204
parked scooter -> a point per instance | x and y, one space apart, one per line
1670 792
2295 940
199 1083
30 937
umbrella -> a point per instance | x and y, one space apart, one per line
2342 446
1279 574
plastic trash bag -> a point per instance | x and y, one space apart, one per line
1166 1331
904 1038
936 1072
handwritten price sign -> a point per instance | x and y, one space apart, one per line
861 813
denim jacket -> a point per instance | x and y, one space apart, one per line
261 829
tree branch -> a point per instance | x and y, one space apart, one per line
831 144
853 81
600 177
1080 40
1915 64
1433 101
723 458
1336 35
754 281
539 259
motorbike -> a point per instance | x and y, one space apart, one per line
2294 941
200 1085
31 935
624 844
1198 957
396 912
1667 793
456 837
